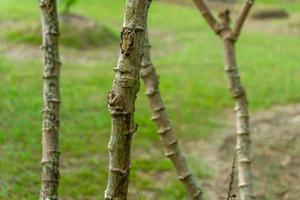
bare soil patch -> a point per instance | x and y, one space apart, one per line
270 14
76 31
276 156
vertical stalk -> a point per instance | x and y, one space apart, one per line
238 93
51 99
159 116
242 121
229 36
121 99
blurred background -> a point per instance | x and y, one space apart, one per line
188 57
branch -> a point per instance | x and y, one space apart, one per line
159 116
208 16
242 17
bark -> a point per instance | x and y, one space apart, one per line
121 99
242 121
159 116
51 99
229 37
239 95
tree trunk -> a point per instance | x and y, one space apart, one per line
159 116
50 139
121 99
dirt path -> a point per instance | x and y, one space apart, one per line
276 155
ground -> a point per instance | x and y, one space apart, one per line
276 147
189 60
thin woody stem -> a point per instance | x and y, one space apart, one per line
159 116
239 95
242 122
230 196
242 18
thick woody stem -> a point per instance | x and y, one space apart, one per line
208 16
238 93
242 18
51 99
159 116
121 99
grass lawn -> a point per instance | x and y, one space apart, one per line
194 86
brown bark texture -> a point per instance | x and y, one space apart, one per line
238 93
159 116
51 102
121 99
229 37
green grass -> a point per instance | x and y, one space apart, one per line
292 6
189 60
75 33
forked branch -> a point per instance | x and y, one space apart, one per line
238 92
218 27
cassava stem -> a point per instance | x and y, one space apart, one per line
238 93
229 37
159 116
51 99
121 99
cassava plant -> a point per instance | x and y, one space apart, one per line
51 102
159 116
121 99
229 36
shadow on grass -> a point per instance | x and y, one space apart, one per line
75 31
